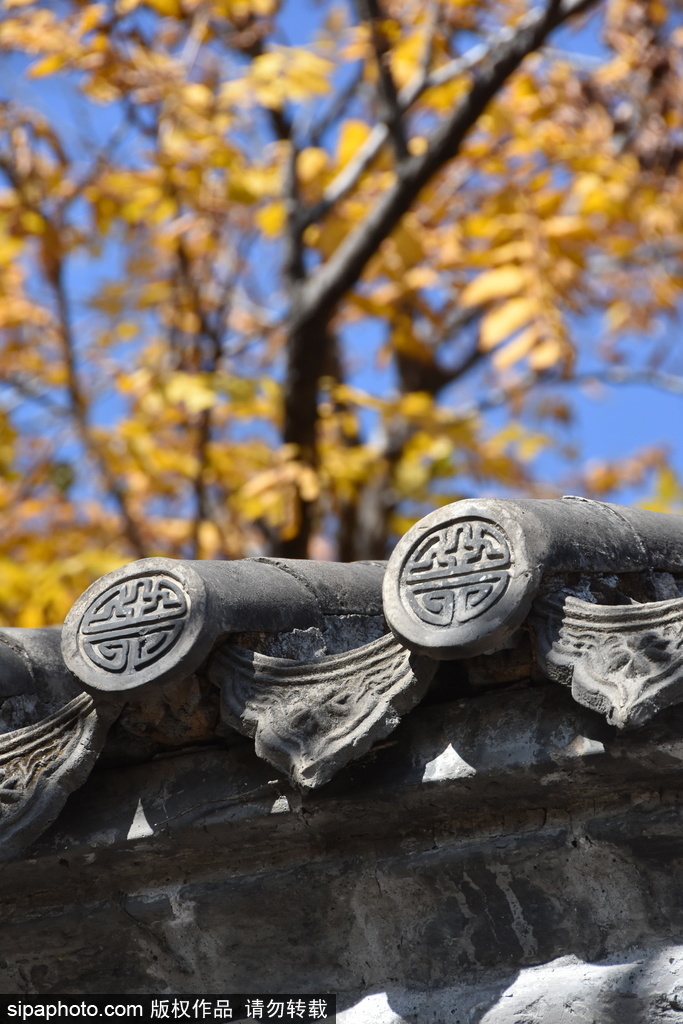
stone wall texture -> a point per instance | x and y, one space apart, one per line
506 858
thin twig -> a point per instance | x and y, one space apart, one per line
78 408
612 376
338 107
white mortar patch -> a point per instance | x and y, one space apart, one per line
582 746
448 765
139 826
373 1009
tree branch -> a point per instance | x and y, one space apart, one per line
315 300
79 411
293 261
390 108
611 376
348 262
337 109
622 375
350 174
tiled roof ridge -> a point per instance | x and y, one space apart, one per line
584 593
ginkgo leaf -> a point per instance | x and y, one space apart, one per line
562 226
195 392
495 284
352 135
521 249
500 322
284 73
310 163
408 244
547 353
169 8
618 314
48 65
517 349
272 219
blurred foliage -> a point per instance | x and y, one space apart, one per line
157 239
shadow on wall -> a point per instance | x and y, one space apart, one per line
592 897
438 915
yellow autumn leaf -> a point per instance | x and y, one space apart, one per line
47 65
505 254
272 219
405 58
308 74
32 222
416 403
197 96
10 248
358 45
283 74
494 284
307 482
444 97
517 349
192 390
91 17
618 315
500 322
249 184
101 91
547 354
530 445
411 475
561 226
242 8
310 163
669 491
421 277
352 135
168 8
127 329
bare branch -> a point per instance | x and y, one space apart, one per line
346 265
620 375
294 251
79 413
204 426
315 300
337 109
351 173
201 511
390 109
417 374
193 42
26 388
78 406
206 328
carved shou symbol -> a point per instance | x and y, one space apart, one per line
457 573
133 623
